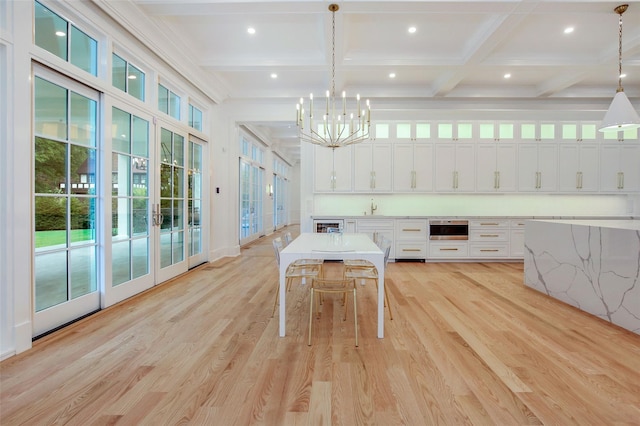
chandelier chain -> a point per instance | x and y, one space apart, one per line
620 54
333 55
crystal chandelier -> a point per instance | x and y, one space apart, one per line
621 115
336 128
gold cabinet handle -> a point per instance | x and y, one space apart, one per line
489 235
448 249
411 229
411 249
489 224
489 250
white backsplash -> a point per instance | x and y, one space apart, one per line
539 205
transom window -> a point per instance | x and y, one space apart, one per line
56 35
127 77
168 102
195 118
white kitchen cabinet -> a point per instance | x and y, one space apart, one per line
516 238
448 249
332 169
456 131
350 226
630 135
455 167
412 131
620 168
412 167
496 167
411 238
578 171
380 227
580 132
536 131
489 238
372 167
538 167
496 131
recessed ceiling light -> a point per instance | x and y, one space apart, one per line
392 75
412 30
274 75
507 75
60 33
251 30
568 30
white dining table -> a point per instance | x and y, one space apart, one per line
332 247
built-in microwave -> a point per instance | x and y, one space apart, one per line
448 229
322 226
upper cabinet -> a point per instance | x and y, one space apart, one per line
620 168
579 132
413 132
412 167
496 167
536 131
455 131
483 157
455 166
333 171
372 167
496 132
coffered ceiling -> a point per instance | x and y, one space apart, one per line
460 50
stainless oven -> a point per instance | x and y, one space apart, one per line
449 229
322 226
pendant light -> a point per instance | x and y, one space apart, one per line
621 114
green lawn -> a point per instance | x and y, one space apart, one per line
54 238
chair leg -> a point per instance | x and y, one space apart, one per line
355 315
310 316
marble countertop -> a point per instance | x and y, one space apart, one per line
558 218
630 224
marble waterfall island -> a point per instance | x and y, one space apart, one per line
593 265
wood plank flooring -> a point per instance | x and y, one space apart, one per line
469 344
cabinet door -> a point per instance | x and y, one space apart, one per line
578 168
620 168
630 168
403 171
422 167
445 167
506 160
342 168
465 168
323 169
548 167
589 168
568 173
528 167
486 177
362 167
381 167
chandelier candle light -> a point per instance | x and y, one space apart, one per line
334 131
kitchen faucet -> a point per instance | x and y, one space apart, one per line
373 207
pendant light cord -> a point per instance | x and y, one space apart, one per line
620 56
333 55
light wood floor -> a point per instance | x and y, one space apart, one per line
469 344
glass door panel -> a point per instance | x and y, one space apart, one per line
65 200
169 213
195 203
130 232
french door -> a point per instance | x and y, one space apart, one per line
252 192
66 205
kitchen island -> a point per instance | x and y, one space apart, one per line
593 265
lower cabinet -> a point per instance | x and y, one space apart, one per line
448 249
516 239
378 227
411 239
489 239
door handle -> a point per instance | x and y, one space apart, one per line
158 217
